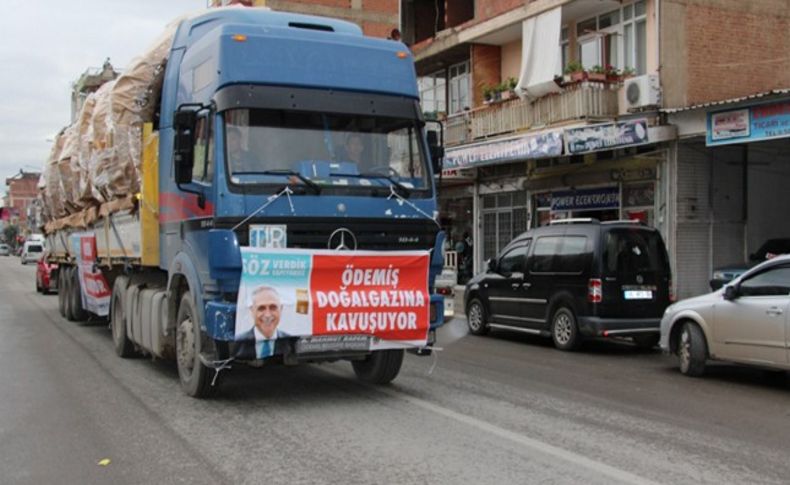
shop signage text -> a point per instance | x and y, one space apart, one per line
754 123
586 199
548 144
605 136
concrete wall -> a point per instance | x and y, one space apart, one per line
720 49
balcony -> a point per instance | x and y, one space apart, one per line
586 101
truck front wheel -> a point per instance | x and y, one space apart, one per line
123 346
194 376
381 367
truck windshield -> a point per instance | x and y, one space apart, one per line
354 152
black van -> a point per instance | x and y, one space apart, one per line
573 279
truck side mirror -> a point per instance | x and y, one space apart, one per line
436 151
184 123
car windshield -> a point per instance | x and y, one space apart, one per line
631 251
265 146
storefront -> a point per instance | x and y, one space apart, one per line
732 169
607 171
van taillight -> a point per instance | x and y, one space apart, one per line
594 290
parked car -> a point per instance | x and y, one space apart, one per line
44 280
5 250
744 322
575 279
769 249
31 252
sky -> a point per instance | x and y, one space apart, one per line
45 45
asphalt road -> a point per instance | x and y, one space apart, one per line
499 409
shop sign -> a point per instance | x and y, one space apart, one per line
458 174
754 123
548 144
605 136
586 199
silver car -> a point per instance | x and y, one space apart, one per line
745 322
4 250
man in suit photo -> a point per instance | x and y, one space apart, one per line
265 308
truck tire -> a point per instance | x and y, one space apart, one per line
194 376
61 291
78 313
381 367
67 293
123 346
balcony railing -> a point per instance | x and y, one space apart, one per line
585 101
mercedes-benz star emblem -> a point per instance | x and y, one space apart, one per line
639 279
342 239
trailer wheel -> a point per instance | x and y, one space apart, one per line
62 291
190 340
381 367
78 313
123 346
67 293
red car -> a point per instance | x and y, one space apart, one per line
44 282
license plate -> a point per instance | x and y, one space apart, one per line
638 295
449 307
333 343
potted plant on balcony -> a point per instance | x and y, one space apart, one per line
488 94
575 72
628 72
504 89
613 75
597 74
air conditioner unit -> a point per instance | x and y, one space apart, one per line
640 92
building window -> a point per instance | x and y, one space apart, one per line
433 93
565 49
617 38
459 87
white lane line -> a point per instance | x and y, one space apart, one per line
533 444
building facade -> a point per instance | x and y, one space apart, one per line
21 193
573 108
377 18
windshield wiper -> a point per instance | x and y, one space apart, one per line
309 183
402 189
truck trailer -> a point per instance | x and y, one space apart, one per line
274 170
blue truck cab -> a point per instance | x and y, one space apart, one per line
289 131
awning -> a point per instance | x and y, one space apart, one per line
540 54
539 145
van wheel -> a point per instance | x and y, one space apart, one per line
476 318
692 350
124 347
646 342
78 313
564 330
194 376
381 367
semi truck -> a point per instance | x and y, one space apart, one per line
280 152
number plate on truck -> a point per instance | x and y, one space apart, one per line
333 343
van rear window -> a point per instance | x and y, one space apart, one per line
630 251
34 248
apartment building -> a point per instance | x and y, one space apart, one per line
612 109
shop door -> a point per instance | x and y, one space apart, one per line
504 217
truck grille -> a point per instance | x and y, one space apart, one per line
371 234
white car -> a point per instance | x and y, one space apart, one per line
744 322
5 250
32 252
